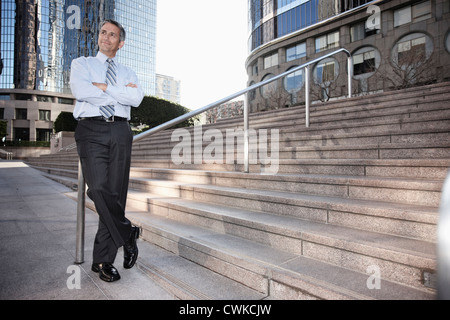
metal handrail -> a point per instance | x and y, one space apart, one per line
173 122
9 155
194 113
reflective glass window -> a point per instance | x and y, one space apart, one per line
296 52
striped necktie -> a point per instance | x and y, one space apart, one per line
111 80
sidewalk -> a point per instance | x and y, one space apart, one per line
37 245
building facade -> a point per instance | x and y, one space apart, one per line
394 44
168 88
40 38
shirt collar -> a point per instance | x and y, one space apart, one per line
103 57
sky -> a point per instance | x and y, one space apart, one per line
203 43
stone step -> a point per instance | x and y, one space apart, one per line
289 128
406 135
433 144
187 280
424 135
408 168
386 100
413 168
345 117
53 164
405 220
214 246
398 190
306 238
432 150
410 105
272 272
440 122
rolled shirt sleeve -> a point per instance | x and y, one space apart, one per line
85 71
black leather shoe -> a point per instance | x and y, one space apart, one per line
130 249
106 271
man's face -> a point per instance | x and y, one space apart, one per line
109 40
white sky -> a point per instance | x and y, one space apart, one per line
203 43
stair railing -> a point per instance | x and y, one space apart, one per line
173 122
8 155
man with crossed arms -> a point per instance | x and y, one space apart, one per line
105 91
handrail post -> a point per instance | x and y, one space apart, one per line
79 258
307 98
246 136
350 75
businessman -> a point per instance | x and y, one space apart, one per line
105 91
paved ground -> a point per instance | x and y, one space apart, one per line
38 242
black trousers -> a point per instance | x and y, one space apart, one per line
105 154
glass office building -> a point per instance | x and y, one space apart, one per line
40 38
384 37
272 19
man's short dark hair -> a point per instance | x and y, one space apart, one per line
118 25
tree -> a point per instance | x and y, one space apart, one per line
154 111
409 68
65 122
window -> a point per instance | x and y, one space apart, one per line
21 114
270 88
402 16
421 11
44 115
43 134
2 113
294 81
254 69
328 41
65 101
21 134
26 97
364 62
296 52
411 51
271 60
359 31
43 98
326 71
417 12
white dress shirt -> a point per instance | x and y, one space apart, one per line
86 70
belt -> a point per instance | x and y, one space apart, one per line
100 118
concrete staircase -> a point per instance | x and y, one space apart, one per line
351 212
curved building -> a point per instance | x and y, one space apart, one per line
394 44
40 38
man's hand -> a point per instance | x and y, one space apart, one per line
101 86
104 86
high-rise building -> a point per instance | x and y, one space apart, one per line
394 43
40 38
168 88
